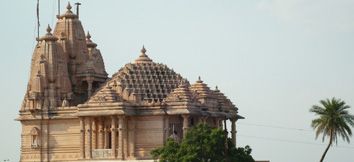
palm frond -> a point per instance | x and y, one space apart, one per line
333 116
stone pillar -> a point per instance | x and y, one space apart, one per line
220 123
106 136
89 87
233 131
125 138
120 138
100 133
205 120
88 144
132 139
217 123
225 128
185 124
94 133
82 137
113 136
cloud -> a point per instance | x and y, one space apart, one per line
333 15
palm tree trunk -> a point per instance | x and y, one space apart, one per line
329 145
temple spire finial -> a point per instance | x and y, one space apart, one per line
143 58
49 29
68 6
88 36
199 80
89 42
143 50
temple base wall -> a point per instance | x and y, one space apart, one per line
63 137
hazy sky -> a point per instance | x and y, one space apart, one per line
273 58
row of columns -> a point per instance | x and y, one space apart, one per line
105 136
95 134
218 123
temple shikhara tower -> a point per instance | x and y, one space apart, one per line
72 110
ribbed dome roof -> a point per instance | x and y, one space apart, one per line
146 80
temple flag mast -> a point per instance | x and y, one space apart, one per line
38 24
77 8
58 7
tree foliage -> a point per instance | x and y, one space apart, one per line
202 144
333 121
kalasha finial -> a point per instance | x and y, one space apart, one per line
199 80
68 6
143 50
88 36
216 88
49 29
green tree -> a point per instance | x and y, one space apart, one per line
240 154
202 144
333 121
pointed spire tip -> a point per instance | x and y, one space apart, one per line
143 50
88 36
68 6
49 29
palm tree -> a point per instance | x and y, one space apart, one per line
333 120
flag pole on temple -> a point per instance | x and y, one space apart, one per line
38 21
58 7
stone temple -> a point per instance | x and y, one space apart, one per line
72 110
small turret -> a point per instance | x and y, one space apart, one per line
49 79
89 42
95 58
203 91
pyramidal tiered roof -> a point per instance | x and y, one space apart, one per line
144 80
181 94
151 84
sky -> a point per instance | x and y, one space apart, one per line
273 58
